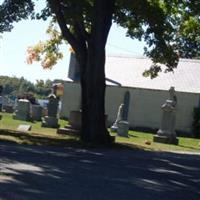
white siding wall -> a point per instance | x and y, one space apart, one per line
144 108
71 99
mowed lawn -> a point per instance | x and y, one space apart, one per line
37 135
8 122
48 136
140 139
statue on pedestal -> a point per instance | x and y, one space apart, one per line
172 96
51 119
166 133
114 127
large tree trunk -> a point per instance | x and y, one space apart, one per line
90 52
93 77
93 94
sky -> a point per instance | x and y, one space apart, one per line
14 44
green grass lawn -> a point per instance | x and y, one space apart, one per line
48 136
139 139
37 136
8 122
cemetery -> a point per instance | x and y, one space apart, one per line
142 97
33 124
49 137
107 130
164 112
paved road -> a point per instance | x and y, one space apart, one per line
38 173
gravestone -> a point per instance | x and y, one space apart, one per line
74 126
22 111
1 103
8 108
123 127
1 98
36 112
75 119
126 105
166 133
114 127
24 127
51 119
8 104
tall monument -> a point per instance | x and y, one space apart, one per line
51 120
166 133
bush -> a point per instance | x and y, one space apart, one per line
196 123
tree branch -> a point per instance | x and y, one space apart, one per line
81 27
56 9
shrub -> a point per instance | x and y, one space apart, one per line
196 122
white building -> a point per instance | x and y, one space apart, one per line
143 96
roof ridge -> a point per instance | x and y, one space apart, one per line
127 56
144 57
190 60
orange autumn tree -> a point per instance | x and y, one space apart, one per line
47 52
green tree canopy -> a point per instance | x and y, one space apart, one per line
13 86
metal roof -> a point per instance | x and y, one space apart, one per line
127 72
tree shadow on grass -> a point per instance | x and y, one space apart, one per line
133 136
38 172
71 141
36 139
188 147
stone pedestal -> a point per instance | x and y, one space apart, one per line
51 120
123 127
68 130
74 126
1 103
167 134
165 139
36 112
75 119
22 111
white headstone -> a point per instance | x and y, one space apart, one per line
114 127
123 127
24 127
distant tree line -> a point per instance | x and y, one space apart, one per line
13 86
